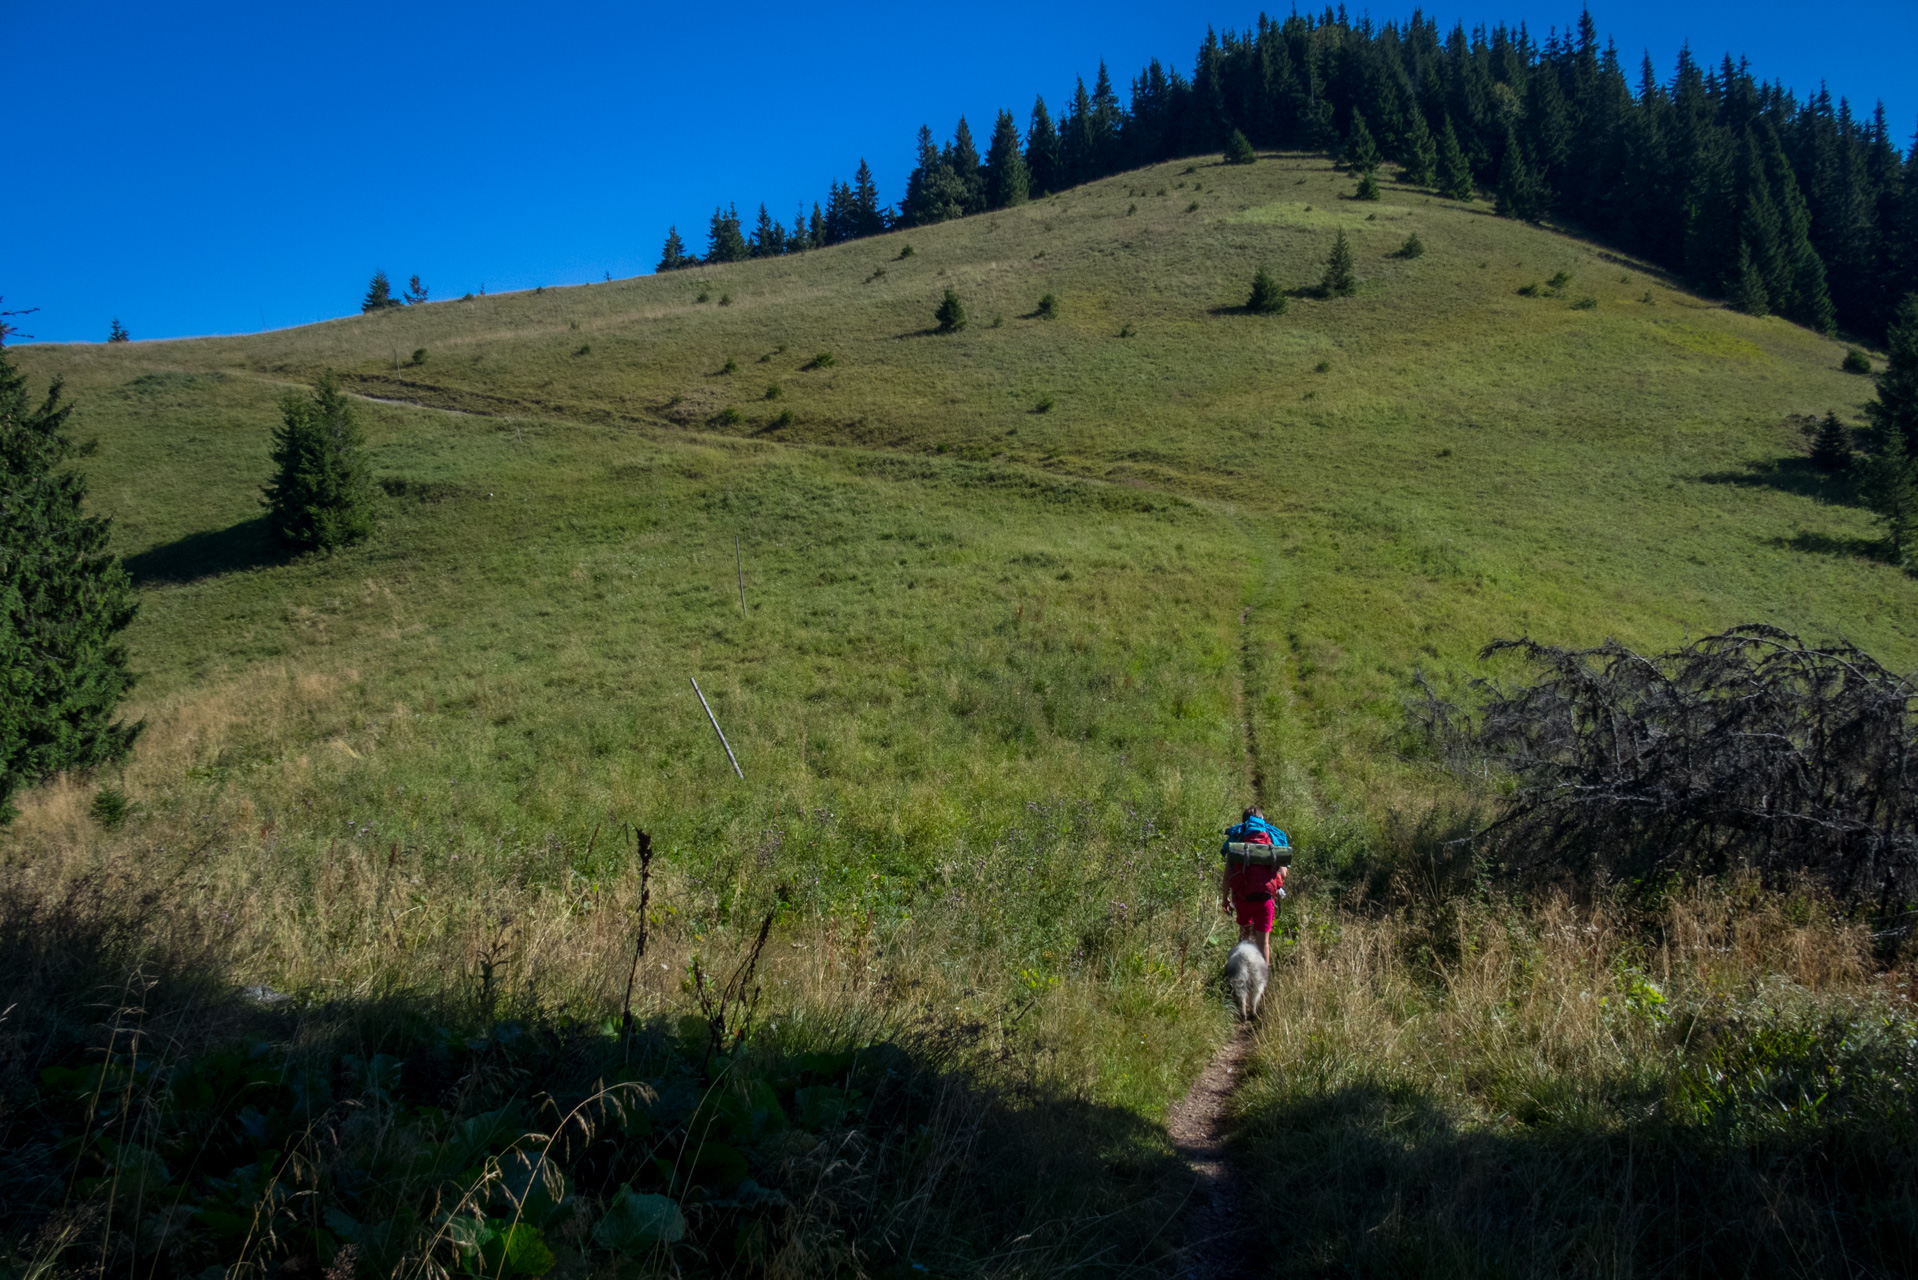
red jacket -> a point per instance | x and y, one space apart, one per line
1252 881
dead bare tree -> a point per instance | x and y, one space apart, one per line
1748 749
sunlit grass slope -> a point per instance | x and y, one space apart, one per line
985 648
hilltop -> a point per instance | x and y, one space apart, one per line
1028 609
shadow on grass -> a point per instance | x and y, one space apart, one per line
1796 475
1823 544
1372 1179
247 545
237 1122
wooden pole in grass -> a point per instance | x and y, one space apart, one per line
716 729
739 567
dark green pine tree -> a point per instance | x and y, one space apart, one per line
1894 420
868 219
1419 164
1267 299
725 241
379 294
769 238
674 256
1368 186
321 497
1520 194
951 313
1238 149
1831 447
64 599
1042 152
933 191
1361 154
1747 291
1454 170
1339 281
118 332
1076 142
963 158
1007 183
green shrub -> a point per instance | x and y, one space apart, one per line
784 419
1585 304
1193 207
1558 281
951 313
725 299
1238 149
731 366
1048 308
585 349
727 417
905 251
419 355
1856 361
703 296
1529 290
774 391
1368 187
1413 247
1323 366
1044 405
823 360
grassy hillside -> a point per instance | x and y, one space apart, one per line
1028 607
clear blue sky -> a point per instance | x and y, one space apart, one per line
219 168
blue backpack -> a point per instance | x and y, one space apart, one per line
1257 826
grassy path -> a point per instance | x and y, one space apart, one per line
1220 1238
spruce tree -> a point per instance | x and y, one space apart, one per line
1831 447
725 242
1267 299
1894 420
1339 281
321 496
379 294
1747 290
1368 187
868 219
1238 149
1361 154
951 314
1454 171
416 292
1042 152
673 256
64 599
117 332
1007 183
1520 195
1420 161
963 156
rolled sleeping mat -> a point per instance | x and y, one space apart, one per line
1261 855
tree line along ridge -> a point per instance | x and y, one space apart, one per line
1780 206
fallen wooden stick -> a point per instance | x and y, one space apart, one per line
721 732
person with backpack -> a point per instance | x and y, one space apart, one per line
1251 889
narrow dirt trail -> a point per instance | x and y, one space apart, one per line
1220 1237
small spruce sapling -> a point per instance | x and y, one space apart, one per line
1368 187
1831 447
1413 247
1048 308
1339 281
117 332
1856 361
1238 149
951 313
415 292
1266 298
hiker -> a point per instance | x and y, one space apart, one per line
1250 890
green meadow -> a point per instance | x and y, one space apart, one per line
1003 626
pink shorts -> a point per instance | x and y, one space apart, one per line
1252 914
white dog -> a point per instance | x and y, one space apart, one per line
1246 972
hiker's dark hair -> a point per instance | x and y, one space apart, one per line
1253 812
